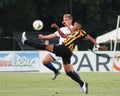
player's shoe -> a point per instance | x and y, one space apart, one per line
84 88
24 38
55 75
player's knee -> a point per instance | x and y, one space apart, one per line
47 59
44 62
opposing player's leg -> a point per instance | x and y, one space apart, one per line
47 62
36 45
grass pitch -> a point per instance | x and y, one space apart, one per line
40 84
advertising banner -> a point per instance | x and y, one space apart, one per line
116 62
83 61
88 61
19 61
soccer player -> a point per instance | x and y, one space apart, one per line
65 50
50 57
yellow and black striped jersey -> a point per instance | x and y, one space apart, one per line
74 38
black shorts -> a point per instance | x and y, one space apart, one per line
64 52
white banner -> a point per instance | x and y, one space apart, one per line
86 61
83 61
19 61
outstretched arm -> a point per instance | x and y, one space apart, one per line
92 40
53 35
95 43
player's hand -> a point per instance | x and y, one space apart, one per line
65 23
54 25
40 36
103 48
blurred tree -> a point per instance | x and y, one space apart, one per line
97 16
2 4
52 11
6 2
17 15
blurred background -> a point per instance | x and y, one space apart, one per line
97 16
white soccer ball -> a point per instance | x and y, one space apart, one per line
37 25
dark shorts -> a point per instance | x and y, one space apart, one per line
64 52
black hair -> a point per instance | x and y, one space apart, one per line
79 22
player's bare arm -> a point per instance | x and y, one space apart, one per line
95 43
50 36
91 39
54 25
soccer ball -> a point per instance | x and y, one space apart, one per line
37 25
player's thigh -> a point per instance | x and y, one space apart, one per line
47 59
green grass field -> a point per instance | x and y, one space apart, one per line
40 84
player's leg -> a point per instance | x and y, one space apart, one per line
36 45
75 76
47 62
71 73
59 50
42 47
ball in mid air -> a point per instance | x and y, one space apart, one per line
37 25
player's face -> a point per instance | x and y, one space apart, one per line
67 20
76 26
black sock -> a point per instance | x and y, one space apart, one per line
75 77
51 67
35 45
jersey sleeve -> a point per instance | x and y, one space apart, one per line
85 34
56 32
